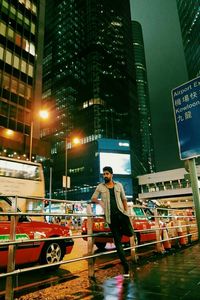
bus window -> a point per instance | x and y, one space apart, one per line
19 170
21 178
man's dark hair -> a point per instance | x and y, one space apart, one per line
109 169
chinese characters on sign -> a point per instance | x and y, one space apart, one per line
186 104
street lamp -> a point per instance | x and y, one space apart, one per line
43 114
66 180
9 132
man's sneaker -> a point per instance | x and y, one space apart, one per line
126 275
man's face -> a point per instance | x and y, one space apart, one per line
107 176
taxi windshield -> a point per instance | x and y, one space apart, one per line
139 212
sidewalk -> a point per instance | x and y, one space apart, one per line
172 277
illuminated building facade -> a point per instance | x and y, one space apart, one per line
146 155
88 67
88 77
189 15
169 188
19 33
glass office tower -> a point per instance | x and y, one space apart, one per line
88 67
189 14
146 156
18 66
88 75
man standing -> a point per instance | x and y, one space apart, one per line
114 203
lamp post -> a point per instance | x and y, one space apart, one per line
31 142
66 180
43 114
66 153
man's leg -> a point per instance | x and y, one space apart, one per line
127 228
116 232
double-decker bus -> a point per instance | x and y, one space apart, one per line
24 179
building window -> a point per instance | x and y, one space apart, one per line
34 9
16 62
32 49
27 117
30 70
8 57
5 4
32 28
19 18
21 89
1 52
23 66
3 29
4 109
20 114
28 92
13 112
6 81
14 86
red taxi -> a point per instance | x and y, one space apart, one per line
143 225
46 252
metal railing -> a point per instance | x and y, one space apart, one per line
158 228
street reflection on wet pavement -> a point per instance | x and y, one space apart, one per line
174 276
118 288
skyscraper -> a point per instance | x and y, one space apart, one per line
189 14
146 163
88 66
18 67
88 73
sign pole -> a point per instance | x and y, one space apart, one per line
186 105
195 190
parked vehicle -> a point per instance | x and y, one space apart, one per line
46 252
177 227
140 220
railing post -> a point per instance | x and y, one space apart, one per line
90 241
132 245
159 246
11 253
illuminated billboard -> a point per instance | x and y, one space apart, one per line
120 162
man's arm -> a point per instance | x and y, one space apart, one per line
94 198
124 201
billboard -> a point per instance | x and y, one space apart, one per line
120 162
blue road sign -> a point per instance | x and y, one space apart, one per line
186 104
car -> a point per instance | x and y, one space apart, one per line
44 252
142 220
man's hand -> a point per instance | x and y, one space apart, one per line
95 200
124 201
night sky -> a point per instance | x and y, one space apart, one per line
166 69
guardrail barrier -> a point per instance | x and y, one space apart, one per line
164 228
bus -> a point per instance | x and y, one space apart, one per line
24 179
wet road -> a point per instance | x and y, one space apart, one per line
34 280
175 276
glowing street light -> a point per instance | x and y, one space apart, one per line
9 132
43 114
76 141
